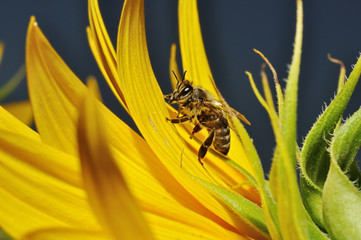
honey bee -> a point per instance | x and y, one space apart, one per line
200 107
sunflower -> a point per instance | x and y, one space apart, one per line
85 174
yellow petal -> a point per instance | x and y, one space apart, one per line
40 156
194 58
92 85
54 91
2 46
168 228
65 233
18 218
21 110
173 66
39 187
10 123
108 193
148 108
103 49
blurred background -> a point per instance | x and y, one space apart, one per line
231 29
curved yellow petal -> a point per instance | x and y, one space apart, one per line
44 158
39 187
103 49
54 92
173 66
148 108
2 46
167 228
18 218
92 85
194 58
21 110
108 193
10 123
65 233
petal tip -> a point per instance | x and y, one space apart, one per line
33 21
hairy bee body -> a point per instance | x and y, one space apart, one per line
218 124
205 111
200 107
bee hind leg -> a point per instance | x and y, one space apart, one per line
196 129
204 148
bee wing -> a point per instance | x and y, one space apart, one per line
231 111
226 107
238 115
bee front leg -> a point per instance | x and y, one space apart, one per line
179 120
204 148
167 96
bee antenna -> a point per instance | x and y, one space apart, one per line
175 75
184 75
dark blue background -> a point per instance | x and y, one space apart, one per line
231 29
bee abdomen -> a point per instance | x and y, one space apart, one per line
222 140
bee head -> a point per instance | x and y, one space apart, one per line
183 91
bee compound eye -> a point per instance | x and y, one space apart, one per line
186 90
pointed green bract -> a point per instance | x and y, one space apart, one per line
294 221
315 159
250 212
289 116
345 144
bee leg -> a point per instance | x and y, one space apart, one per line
196 129
167 96
179 112
204 148
179 120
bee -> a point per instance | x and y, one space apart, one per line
200 107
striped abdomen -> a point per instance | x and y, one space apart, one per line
222 138
218 124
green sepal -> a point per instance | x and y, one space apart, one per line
315 160
9 87
4 236
248 211
341 199
251 180
341 205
